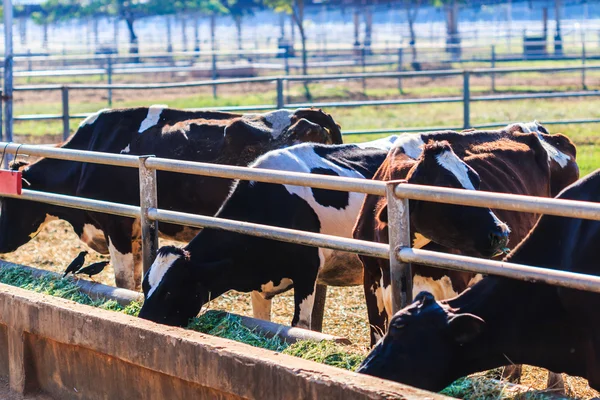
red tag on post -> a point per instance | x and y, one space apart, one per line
11 182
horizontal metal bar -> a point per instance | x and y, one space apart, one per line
503 201
481 71
270 232
302 78
272 176
527 273
547 95
376 102
118 160
78 202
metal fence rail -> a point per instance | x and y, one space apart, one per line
398 251
466 99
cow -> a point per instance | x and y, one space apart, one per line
500 320
518 159
180 281
207 136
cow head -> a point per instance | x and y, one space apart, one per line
173 287
472 229
560 151
252 135
423 334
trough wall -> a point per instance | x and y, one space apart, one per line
73 351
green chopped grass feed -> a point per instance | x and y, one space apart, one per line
63 288
230 326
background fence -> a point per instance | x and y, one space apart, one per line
280 83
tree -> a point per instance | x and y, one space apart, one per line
296 9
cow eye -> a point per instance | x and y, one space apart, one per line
398 325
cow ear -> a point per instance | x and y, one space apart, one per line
382 214
307 131
465 327
16 165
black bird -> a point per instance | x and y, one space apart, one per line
76 263
93 269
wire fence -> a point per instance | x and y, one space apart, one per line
398 251
280 83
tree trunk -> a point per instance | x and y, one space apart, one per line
356 28
23 31
213 28
411 15
133 40
238 26
116 35
45 40
95 27
298 13
292 31
196 33
169 35
368 27
452 40
184 41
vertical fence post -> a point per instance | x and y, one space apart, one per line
1 119
363 61
280 102
214 72
583 85
399 236
109 72
65 112
148 200
493 62
8 72
400 69
466 100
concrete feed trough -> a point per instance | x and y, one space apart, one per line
71 351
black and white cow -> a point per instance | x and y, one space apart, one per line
207 136
181 280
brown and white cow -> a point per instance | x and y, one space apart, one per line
508 160
207 136
431 343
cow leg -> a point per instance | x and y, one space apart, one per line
121 258
318 312
261 307
555 383
136 251
375 306
304 299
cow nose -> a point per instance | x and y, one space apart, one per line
498 239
